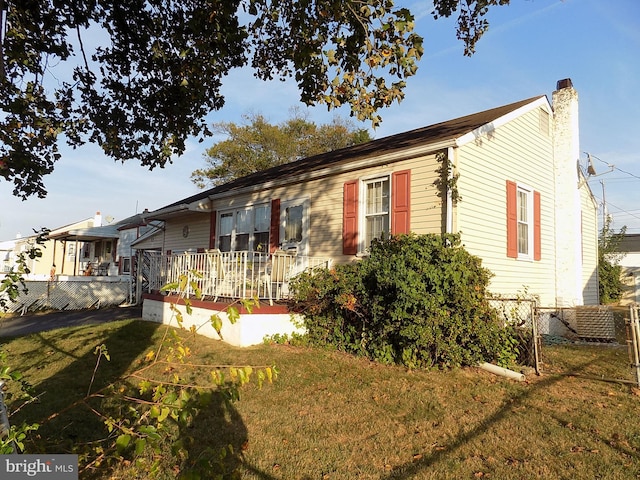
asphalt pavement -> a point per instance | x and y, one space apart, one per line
16 326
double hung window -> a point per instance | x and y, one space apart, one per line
293 220
377 214
375 207
245 229
525 217
523 222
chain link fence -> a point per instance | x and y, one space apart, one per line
520 313
586 341
71 295
600 342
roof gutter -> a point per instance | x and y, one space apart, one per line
198 207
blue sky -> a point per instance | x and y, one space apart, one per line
531 45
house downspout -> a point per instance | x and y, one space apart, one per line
449 199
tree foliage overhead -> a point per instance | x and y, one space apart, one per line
258 145
158 65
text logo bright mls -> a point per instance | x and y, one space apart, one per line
49 467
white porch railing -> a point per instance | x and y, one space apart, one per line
232 274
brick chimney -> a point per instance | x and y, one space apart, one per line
568 221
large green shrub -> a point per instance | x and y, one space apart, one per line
419 300
610 284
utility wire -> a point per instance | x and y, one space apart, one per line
614 167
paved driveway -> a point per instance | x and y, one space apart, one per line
39 322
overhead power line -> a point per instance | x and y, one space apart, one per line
613 167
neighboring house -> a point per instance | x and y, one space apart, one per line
94 266
101 250
508 179
62 255
7 255
630 264
84 248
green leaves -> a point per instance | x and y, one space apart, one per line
158 70
418 300
13 282
470 24
610 284
257 145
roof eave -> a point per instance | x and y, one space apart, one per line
400 154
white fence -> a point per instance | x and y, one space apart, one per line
72 294
230 274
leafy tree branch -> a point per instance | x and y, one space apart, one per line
154 69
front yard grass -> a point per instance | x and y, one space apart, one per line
333 416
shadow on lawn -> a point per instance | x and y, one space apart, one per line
65 421
70 425
410 470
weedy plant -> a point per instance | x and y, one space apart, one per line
148 413
12 436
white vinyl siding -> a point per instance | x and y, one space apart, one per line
589 217
516 151
325 202
198 236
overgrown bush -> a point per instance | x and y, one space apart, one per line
418 300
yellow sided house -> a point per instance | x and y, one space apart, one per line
507 179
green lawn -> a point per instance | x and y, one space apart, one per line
333 416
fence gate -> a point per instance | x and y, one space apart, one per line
633 340
143 268
589 341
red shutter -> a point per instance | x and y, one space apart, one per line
512 220
350 218
537 236
274 229
212 229
400 202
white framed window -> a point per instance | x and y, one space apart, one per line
244 229
525 222
376 203
126 265
294 225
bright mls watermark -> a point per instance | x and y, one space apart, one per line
49 467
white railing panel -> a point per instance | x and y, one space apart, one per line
231 274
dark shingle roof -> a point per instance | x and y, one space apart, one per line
438 132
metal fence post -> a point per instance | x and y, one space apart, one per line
535 337
633 339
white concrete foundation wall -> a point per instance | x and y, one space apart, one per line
249 330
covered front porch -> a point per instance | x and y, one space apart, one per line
89 252
214 275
